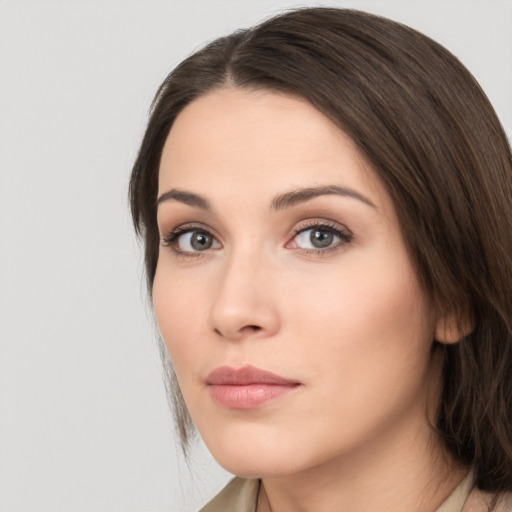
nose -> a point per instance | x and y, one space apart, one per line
244 304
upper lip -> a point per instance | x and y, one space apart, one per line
226 375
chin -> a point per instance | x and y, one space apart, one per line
245 467
245 457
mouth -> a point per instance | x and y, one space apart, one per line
247 387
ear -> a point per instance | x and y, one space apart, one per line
451 329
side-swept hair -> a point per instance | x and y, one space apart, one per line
431 135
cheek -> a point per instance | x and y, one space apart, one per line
367 322
364 343
180 306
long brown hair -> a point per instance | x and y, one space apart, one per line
430 133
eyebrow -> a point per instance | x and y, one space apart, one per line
305 194
185 197
280 202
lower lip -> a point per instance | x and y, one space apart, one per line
248 396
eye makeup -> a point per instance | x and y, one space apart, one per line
311 237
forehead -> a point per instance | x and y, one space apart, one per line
259 141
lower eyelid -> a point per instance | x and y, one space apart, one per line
343 234
171 239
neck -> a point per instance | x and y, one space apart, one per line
412 472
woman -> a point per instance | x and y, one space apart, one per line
325 206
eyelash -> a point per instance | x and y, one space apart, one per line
172 238
344 235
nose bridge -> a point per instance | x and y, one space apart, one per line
243 303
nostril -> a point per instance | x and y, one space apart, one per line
245 330
252 328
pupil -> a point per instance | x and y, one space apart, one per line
200 241
321 239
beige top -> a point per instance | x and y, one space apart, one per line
241 495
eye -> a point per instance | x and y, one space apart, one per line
315 239
190 240
320 238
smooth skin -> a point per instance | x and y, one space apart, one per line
281 249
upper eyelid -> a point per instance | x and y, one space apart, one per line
171 240
298 227
167 235
311 223
324 223
342 232
185 227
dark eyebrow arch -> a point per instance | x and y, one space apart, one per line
185 197
305 194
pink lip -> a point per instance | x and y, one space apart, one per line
247 387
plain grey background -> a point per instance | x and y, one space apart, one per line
84 424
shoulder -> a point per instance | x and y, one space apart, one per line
239 495
479 501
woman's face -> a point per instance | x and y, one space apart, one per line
281 252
